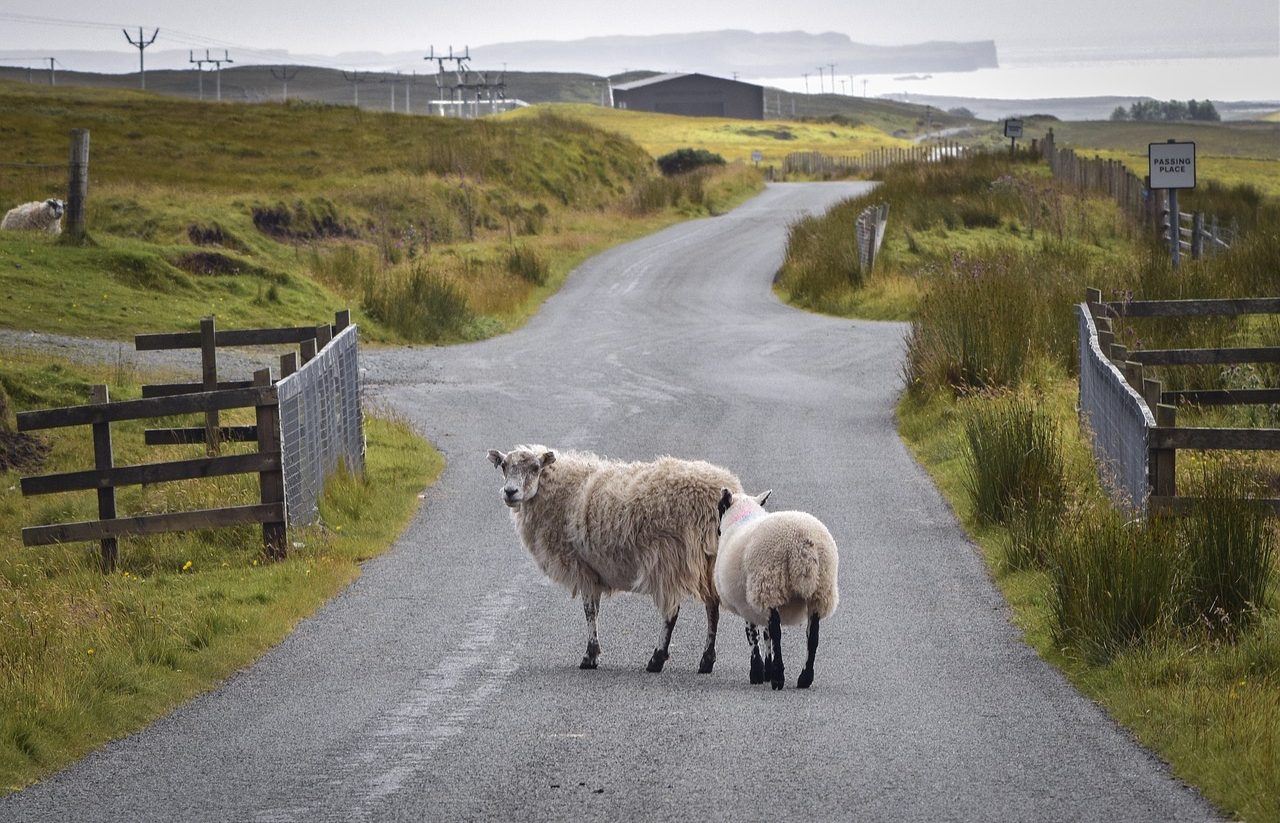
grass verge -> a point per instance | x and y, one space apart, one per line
85 657
1208 705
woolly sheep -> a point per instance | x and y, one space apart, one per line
599 526
38 215
775 568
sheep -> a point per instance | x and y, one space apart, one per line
775 568
598 526
38 215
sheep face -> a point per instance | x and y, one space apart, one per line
521 468
55 208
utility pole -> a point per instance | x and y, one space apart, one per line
217 66
832 67
460 70
806 82
141 46
355 80
52 81
285 76
191 58
841 85
821 86
864 87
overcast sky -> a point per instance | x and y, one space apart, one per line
330 27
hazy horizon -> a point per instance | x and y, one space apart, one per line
1084 48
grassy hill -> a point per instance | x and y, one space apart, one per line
257 84
430 228
734 140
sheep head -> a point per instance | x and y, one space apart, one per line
55 207
738 508
521 467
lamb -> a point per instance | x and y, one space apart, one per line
775 568
599 526
38 215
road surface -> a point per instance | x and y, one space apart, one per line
443 685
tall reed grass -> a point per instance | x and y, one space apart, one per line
1014 463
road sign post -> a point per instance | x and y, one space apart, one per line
1172 166
1012 130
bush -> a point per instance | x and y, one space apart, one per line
419 304
1014 462
1113 582
527 264
686 160
1229 547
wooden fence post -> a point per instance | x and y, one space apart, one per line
288 364
342 319
209 381
308 350
77 184
103 459
1164 462
271 481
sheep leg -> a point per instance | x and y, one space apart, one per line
775 634
591 607
713 623
661 653
757 665
806 676
767 673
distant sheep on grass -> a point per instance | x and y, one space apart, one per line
38 215
775 568
599 526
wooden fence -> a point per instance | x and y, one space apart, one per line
818 164
208 397
1166 437
869 233
1199 234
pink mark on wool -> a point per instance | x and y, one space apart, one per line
744 514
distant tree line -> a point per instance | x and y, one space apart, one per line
1167 110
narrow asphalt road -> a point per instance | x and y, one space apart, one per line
443 685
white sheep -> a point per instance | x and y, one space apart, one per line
775 568
599 526
38 215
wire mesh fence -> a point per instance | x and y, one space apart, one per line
320 423
1117 419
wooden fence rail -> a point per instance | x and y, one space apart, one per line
106 477
209 396
1166 438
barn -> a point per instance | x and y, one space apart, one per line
697 95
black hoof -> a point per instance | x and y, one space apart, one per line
708 663
656 662
777 678
757 669
587 663
768 667
805 680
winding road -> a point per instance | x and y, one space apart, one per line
443 685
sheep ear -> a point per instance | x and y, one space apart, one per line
547 459
497 458
726 500
760 498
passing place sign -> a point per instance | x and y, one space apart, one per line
1172 165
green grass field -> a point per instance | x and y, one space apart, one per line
734 140
276 215
1230 152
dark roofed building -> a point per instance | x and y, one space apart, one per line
696 95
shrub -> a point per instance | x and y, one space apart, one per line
974 328
686 160
1113 582
1014 462
527 264
419 304
1229 547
